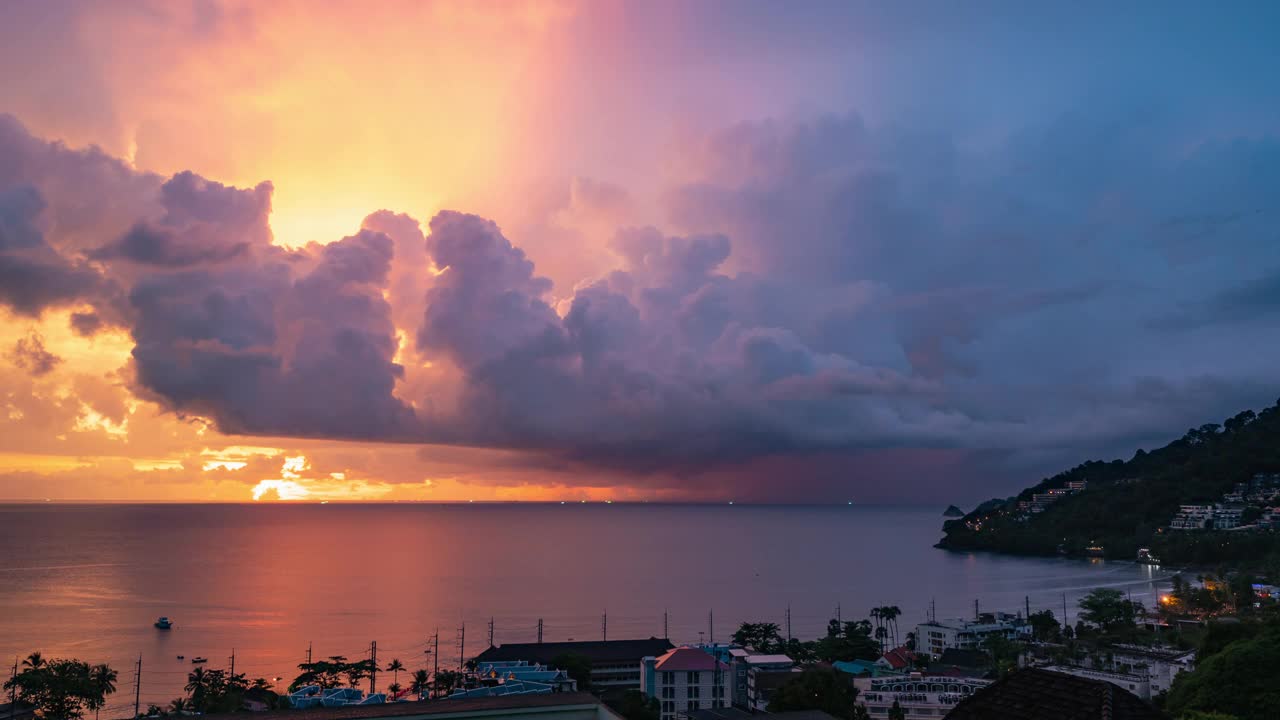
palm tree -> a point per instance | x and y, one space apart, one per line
197 686
394 689
881 634
891 614
394 667
104 683
261 684
35 661
421 682
178 706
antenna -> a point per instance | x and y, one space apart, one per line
462 644
665 633
933 610
839 619
976 614
490 631
711 627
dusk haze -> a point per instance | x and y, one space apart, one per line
639 360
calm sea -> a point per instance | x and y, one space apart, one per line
267 580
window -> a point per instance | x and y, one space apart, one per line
668 678
693 678
695 691
669 707
668 692
692 705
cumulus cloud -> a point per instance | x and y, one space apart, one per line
835 297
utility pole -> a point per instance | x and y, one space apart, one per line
13 689
933 609
436 655
1028 616
711 627
788 623
462 645
373 674
604 626
308 652
665 632
137 689
232 660
976 614
839 619
539 631
1064 609
490 631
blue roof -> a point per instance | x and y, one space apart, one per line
863 667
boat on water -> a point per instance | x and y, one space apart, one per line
198 660
164 623
182 657
1146 558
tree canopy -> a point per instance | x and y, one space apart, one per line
819 689
61 689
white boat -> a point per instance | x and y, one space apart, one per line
163 623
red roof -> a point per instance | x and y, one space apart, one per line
899 658
687 658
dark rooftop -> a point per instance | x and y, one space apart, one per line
413 709
598 651
1035 694
732 713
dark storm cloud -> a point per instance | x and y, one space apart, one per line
30 354
33 275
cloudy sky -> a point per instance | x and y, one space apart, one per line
879 252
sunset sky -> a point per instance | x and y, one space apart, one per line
763 251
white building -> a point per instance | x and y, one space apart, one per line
1139 685
936 636
1160 666
1200 517
921 696
686 679
765 673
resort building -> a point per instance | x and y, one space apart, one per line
1160 666
764 674
615 664
919 695
1035 694
1139 685
936 636
684 680
1206 517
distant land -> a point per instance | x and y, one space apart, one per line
1116 509
952 511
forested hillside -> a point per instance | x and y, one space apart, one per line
1128 504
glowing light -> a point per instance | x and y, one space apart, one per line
283 490
224 465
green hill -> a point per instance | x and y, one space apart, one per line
1127 505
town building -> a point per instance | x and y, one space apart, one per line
1037 694
763 674
936 636
899 658
686 679
615 664
1138 684
920 695
1160 665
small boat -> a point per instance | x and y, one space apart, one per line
198 660
1146 558
164 623
182 657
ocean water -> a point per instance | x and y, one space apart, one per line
266 581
